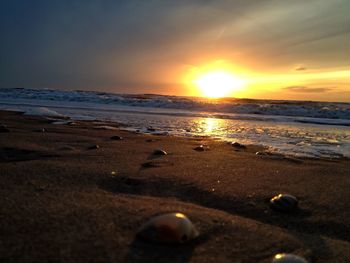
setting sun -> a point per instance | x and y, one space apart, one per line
218 84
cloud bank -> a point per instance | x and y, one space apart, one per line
143 46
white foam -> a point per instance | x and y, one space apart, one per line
105 127
325 110
42 111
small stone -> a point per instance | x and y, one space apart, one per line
199 148
40 188
238 145
3 128
260 153
284 203
151 129
155 163
94 147
288 258
168 228
159 152
116 138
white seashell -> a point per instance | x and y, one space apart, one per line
288 258
169 228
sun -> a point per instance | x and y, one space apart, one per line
217 84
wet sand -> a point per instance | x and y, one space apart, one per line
61 201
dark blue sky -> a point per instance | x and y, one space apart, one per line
145 46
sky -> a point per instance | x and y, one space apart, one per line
280 49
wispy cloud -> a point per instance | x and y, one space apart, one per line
300 68
305 89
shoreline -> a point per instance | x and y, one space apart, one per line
265 151
61 201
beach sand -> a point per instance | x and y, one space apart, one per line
61 201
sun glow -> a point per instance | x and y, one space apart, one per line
218 84
221 78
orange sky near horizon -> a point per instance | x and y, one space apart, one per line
298 83
262 49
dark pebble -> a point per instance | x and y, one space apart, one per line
238 145
159 152
151 129
131 181
284 203
154 164
94 147
116 138
3 128
199 148
42 130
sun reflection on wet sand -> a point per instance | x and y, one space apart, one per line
210 127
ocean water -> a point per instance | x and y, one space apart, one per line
296 128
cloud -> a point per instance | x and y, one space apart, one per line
121 46
300 68
304 89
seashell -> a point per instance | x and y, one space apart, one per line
284 203
238 145
94 147
116 138
169 228
159 152
288 258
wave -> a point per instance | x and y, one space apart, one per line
321 110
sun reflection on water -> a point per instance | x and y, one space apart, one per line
209 127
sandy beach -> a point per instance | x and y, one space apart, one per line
64 200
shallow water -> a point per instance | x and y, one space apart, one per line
282 135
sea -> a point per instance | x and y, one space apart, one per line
294 128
